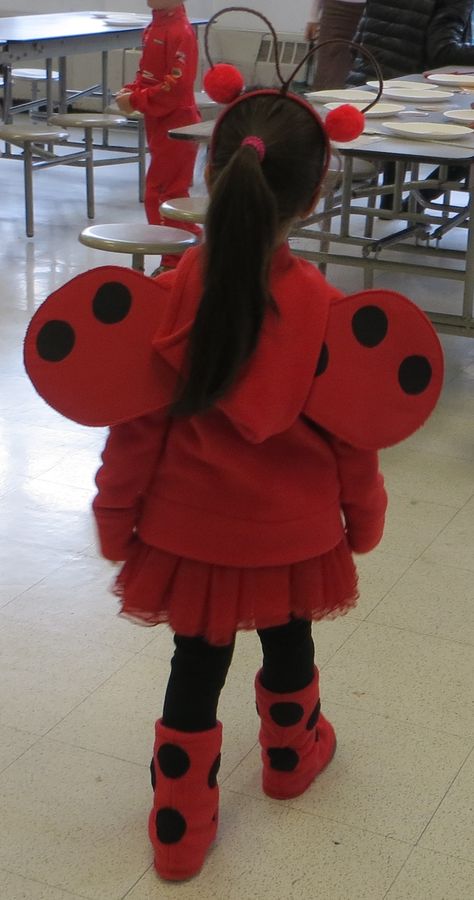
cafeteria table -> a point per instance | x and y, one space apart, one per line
408 247
60 35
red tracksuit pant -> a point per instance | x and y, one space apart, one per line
170 173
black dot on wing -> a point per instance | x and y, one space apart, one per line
112 303
55 340
323 360
369 326
414 374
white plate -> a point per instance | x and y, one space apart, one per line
420 96
451 80
464 116
428 131
344 95
126 20
378 111
400 83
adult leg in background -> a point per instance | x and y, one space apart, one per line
339 20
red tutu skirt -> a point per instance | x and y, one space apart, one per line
198 598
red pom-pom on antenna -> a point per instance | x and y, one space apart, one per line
223 83
345 123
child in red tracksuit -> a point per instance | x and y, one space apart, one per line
163 91
247 398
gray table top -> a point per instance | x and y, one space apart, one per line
50 26
377 141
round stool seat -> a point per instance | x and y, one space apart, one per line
135 237
33 75
18 134
185 209
86 120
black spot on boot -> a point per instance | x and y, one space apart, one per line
286 714
314 716
170 825
283 759
212 778
173 761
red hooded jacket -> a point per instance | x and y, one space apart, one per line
251 482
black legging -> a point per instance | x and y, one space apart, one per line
199 671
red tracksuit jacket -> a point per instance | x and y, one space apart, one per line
165 79
249 483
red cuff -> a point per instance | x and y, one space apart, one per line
115 529
363 538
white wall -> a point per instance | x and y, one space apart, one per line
285 16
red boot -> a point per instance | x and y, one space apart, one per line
297 741
183 821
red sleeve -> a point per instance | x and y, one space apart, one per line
176 87
363 496
128 462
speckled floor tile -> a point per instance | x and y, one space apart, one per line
139 688
378 572
76 820
76 599
46 674
433 875
23 565
14 887
412 525
431 599
419 475
451 829
267 851
367 784
454 546
423 680
13 744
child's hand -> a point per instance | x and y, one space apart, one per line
123 103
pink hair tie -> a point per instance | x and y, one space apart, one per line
253 141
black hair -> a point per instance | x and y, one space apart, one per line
251 201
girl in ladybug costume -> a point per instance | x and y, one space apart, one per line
247 399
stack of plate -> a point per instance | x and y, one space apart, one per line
125 20
453 79
428 131
411 91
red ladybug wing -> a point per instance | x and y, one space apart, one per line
380 370
89 352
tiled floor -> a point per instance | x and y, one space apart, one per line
391 818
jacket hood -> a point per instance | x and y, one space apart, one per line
272 389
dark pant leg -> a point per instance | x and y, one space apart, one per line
288 656
338 21
198 674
